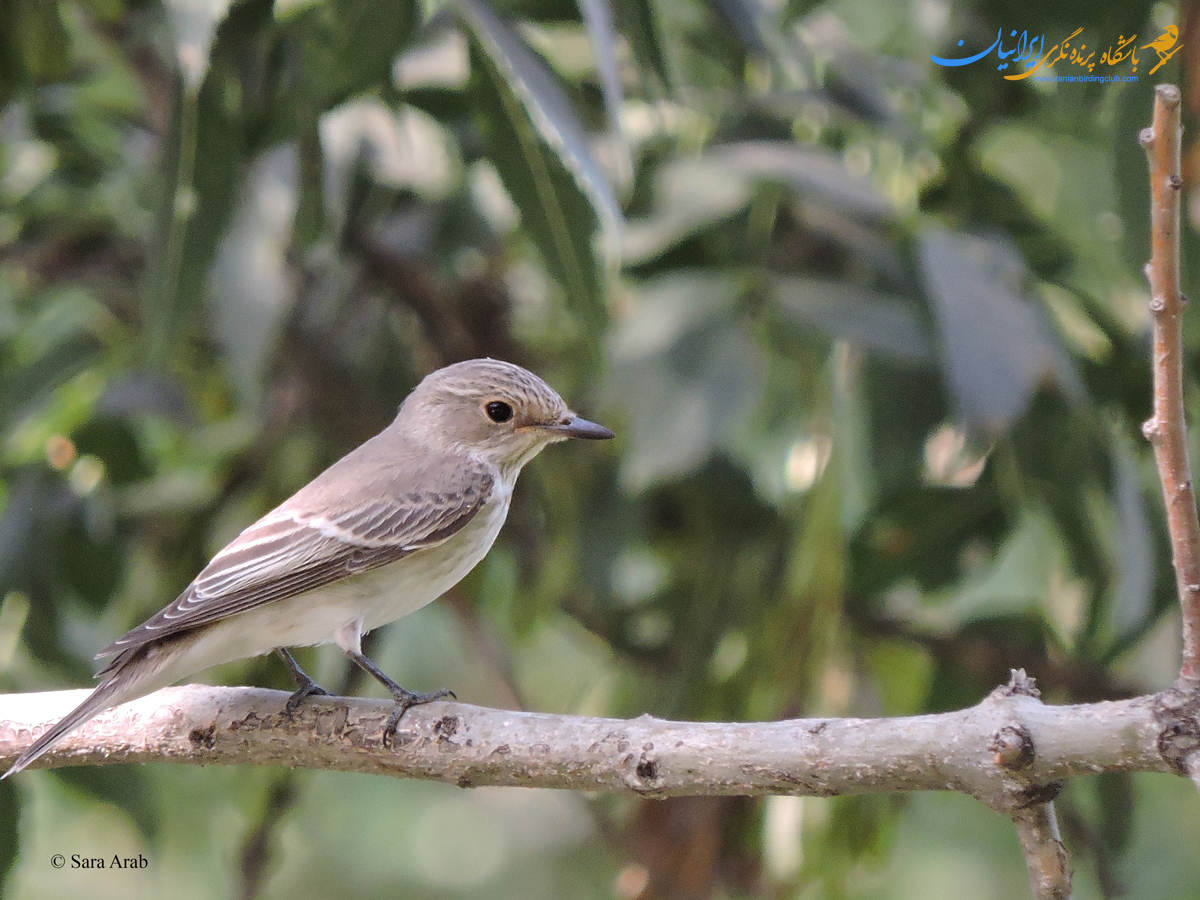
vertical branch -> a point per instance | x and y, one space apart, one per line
1045 855
1166 429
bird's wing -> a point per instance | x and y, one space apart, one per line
315 539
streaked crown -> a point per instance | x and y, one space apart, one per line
492 409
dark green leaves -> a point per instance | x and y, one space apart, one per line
265 82
876 322
685 353
541 152
996 346
346 46
10 819
34 46
640 24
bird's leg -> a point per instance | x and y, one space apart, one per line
305 686
404 699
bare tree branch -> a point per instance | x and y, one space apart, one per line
471 746
1045 854
1166 429
1049 869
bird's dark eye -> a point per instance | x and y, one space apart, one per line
499 411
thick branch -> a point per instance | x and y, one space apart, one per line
1008 751
1166 429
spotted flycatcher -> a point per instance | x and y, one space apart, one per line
380 533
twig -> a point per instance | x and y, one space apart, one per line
1016 749
471 746
1166 429
1045 855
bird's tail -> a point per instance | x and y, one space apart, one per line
124 679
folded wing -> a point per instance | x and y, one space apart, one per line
314 540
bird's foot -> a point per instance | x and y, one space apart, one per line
305 686
405 700
308 689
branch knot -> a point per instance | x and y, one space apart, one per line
1178 714
1036 794
1019 685
1012 747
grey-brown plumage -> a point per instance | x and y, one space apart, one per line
380 533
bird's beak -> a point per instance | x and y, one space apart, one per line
577 427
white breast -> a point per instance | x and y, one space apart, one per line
421 578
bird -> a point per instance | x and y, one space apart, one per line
382 532
1164 42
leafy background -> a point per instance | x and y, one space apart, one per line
872 332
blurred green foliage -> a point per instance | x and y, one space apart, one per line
872 333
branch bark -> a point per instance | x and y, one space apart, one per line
471 746
1166 429
1037 827
1045 855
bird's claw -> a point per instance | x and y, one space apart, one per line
310 689
405 700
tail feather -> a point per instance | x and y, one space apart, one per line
125 680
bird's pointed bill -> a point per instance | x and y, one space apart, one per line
577 427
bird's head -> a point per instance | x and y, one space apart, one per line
494 410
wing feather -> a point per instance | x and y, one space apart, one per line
318 538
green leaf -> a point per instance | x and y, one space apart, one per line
812 172
34 44
249 299
193 25
920 535
1027 579
541 153
89 564
1134 553
747 21
266 80
689 196
62 338
695 371
639 23
209 145
997 347
597 15
10 816
841 309
347 46
113 441
310 207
